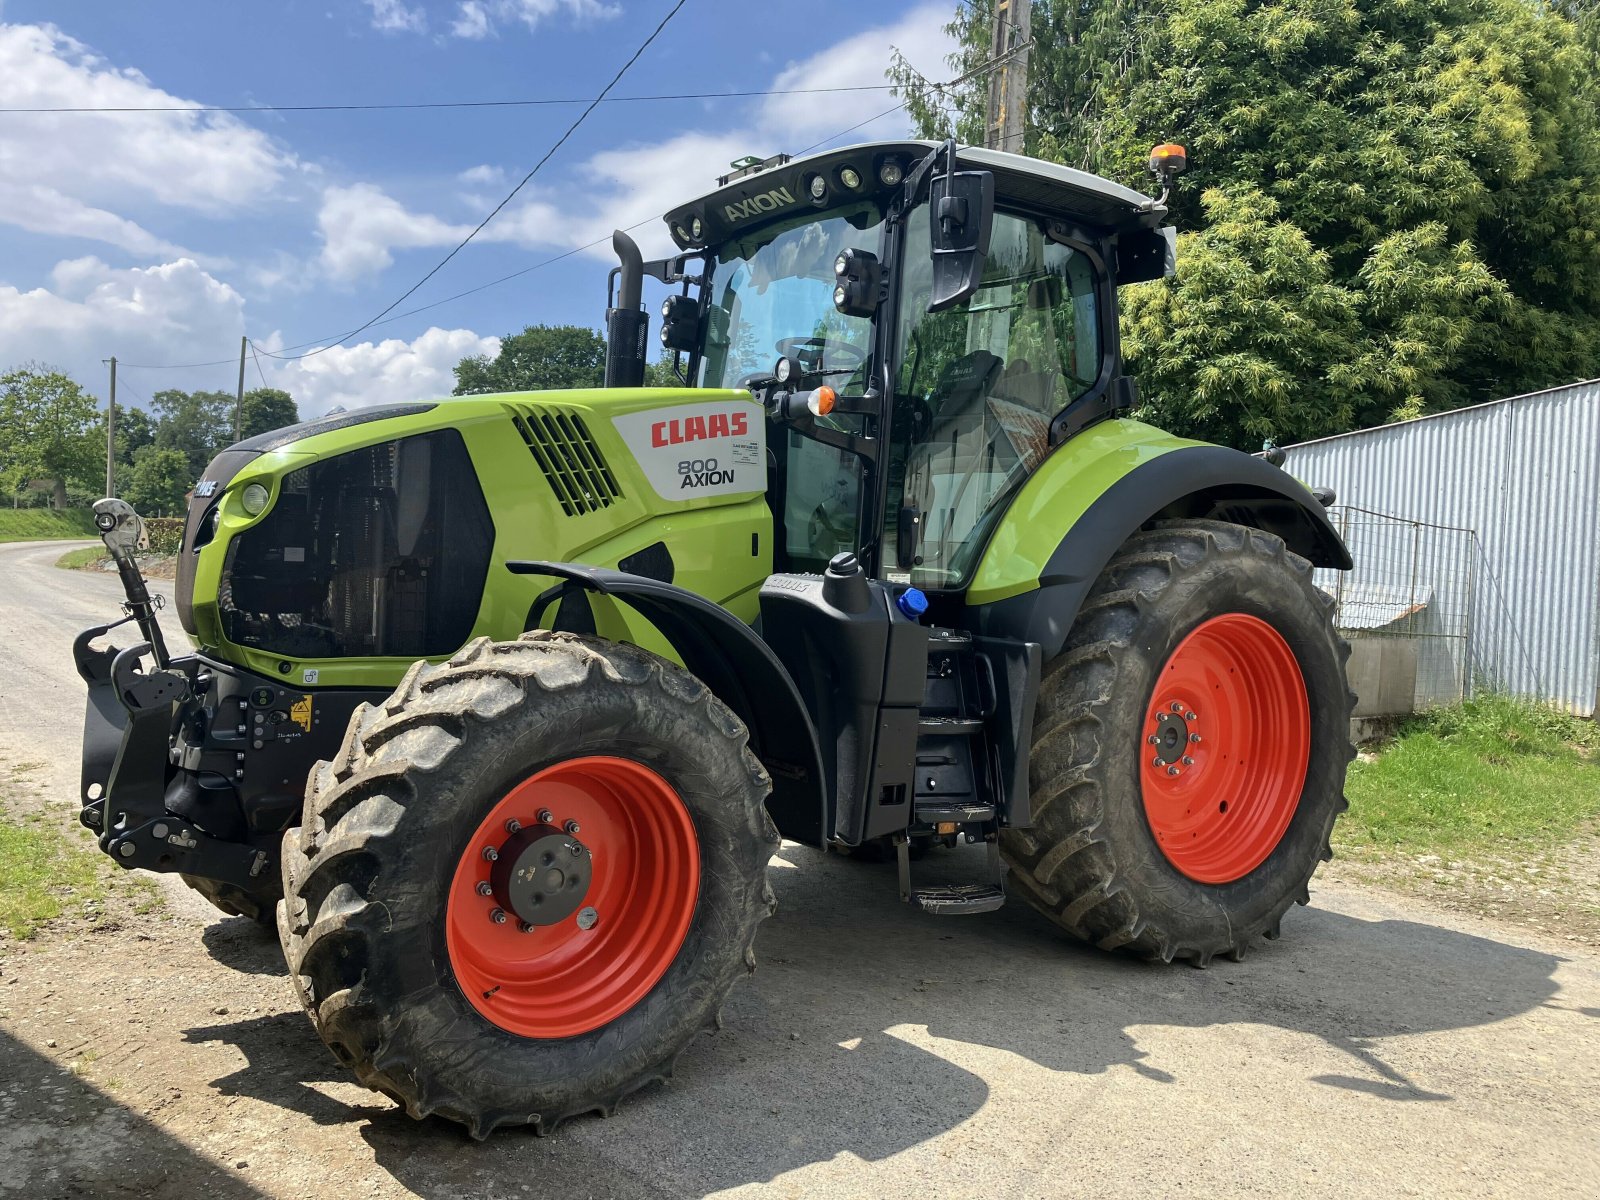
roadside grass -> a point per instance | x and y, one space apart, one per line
47 874
75 560
41 873
1494 775
1492 807
43 524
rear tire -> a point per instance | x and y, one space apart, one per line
1094 860
381 921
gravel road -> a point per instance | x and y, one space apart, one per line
1381 1048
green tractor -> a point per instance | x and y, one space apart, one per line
500 705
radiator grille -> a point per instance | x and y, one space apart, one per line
569 458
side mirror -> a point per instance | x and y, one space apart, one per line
960 220
680 323
1146 254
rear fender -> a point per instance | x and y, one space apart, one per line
1167 479
741 670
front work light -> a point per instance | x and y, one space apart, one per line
891 172
254 499
680 323
818 187
850 177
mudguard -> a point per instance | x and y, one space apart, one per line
741 671
1032 581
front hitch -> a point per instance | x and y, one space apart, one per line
129 722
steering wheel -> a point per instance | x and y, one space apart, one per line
812 352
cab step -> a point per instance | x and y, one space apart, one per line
953 899
959 899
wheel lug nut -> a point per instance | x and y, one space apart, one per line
1172 770
577 850
513 825
484 889
524 927
1156 761
498 916
1195 738
1187 761
1188 716
490 854
572 828
1176 707
1153 740
546 816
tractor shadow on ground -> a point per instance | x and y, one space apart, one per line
848 1038
65 1137
240 944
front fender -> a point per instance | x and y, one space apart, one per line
1099 489
741 670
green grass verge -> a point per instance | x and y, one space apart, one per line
41 524
74 560
1493 775
42 872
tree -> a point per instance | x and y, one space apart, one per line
158 482
1436 162
200 424
541 356
47 430
135 430
266 409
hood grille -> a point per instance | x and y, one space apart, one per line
572 463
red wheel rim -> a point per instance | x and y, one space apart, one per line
563 979
1225 744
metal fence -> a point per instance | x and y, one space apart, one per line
1406 608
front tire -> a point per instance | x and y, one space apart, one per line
1190 747
405 940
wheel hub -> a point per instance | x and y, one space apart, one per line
1171 738
541 874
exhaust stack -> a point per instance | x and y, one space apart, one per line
627 324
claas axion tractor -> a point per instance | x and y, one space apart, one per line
499 706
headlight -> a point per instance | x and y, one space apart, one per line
254 499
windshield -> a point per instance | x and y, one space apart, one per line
771 294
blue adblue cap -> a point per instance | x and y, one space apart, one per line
912 602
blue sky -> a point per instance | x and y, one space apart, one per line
162 237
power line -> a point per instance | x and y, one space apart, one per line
257 361
385 319
561 141
445 104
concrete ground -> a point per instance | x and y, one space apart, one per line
1381 1048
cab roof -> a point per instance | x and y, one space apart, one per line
783 190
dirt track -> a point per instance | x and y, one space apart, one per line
1381 1048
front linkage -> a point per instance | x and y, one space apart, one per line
129 726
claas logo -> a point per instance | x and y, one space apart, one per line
697 429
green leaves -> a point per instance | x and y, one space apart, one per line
1392 207
47 431
541 356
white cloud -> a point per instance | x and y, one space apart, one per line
385 372
70 173
471 22
483 175
637 182
172 312
477 19
362 224
395 16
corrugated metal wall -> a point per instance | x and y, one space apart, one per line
1525 474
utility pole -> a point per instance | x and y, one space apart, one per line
111 433
1008 85
238 407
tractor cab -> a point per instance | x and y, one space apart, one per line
924 324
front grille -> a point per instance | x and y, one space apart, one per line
571 461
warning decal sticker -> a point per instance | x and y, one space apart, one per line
692 450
